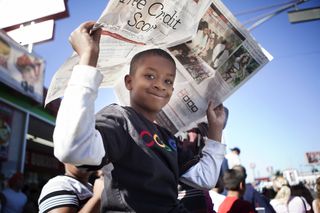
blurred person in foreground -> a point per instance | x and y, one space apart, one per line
234 182
71 192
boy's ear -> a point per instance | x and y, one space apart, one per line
128 81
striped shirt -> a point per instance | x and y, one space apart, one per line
64 191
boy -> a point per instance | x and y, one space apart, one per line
141 160
234 181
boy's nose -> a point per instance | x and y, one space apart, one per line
159 85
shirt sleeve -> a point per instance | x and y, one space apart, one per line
76 140
63 191
58 199
205 173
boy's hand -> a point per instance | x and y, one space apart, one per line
216 120
86 44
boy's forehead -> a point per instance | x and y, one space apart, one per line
148 56
155 61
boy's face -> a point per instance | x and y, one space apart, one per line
151 85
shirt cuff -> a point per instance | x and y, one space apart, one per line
215 147
86 76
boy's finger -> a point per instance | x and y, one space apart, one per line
87 26
97 34
219 107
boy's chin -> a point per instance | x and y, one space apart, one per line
156 109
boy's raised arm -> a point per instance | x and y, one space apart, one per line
205 173
76 140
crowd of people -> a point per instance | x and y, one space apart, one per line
79 190
141 166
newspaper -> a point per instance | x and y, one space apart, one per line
215 55
128 26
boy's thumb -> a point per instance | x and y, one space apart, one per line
96 34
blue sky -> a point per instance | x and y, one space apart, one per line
274 117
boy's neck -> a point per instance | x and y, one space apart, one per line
148 115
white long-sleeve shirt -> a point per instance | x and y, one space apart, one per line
76 140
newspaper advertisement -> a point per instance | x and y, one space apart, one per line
214 54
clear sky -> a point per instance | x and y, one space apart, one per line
274 117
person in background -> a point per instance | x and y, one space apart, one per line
233 157
71 192
300 190
251 195
146 161
234 182
284 202
197 200
316 201
257 199
14 200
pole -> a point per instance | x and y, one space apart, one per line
261 19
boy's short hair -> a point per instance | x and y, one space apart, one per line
233 177
150 52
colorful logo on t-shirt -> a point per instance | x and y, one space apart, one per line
152 140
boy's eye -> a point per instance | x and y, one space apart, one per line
149 76
169 82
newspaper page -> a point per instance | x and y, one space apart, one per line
128 26
216 62
220 58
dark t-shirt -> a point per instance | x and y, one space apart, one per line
145 166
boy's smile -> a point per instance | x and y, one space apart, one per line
151 85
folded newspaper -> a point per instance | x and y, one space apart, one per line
215 55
